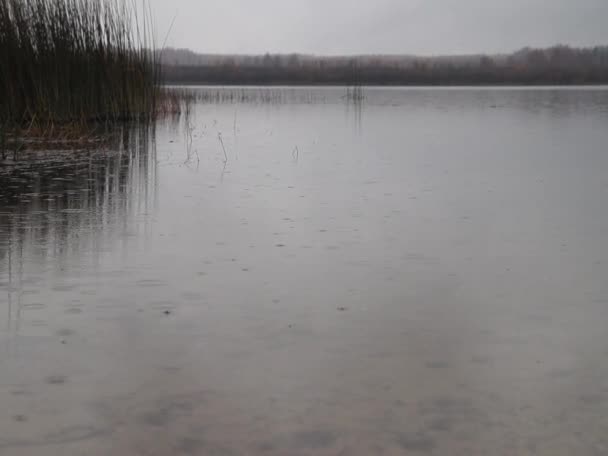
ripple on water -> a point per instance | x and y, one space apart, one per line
33 306
312 440
162 304
416 442
191 295
73 311
438 365
56 380
150 283
64 288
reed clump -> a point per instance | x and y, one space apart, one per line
76 63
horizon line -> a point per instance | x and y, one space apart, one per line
388 54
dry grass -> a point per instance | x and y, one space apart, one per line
74 63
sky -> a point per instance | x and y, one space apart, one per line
423 27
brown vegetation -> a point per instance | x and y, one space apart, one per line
67 66
557 65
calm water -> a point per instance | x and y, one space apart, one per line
423 273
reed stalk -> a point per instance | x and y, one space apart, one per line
75 62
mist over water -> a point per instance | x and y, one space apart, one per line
290 271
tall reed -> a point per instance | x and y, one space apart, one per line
73 62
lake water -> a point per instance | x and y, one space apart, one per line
286 272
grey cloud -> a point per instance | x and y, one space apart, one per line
379 26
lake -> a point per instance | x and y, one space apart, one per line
292 271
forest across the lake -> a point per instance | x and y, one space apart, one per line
557 65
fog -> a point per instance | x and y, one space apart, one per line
379 26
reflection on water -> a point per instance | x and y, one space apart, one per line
285 272
58 204
556 99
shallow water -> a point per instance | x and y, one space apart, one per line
421 273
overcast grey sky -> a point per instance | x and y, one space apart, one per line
380 26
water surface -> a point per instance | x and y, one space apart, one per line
420 273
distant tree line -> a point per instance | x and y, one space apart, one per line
559 65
